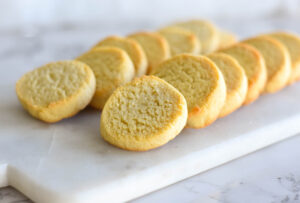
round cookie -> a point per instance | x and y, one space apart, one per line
143 114
57 90
181 40
254 66
155 46
112 67
235 80
206 33
276 59
226 39
200 82
132 48
292 44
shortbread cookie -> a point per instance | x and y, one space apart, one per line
57 90
181 40
112 68
206 33
253 64
235 80
155 46
292 44
132 48
143 114
276 59
200 82
226 39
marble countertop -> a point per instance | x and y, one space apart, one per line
269 175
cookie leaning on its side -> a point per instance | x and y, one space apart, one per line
292 44
235 80
155 46
181 40
143 114
253 64
201 83
57 90
132 48
277 61
206 33
112 67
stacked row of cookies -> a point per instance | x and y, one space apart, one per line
113 62
185 89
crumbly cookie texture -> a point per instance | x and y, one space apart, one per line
143 114
57 90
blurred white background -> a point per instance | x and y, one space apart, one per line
145 13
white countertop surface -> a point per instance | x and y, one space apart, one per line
269 175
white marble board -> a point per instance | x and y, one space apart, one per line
69 162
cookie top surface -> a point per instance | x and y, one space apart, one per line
155 46
206 33
143 114
53 83
181 40
132 48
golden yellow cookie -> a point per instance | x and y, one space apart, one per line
276 59
200 82
226 39
143 114
206 33
155 46
112 67
253 64
132 48
235 80
57 90
181 40
292 44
